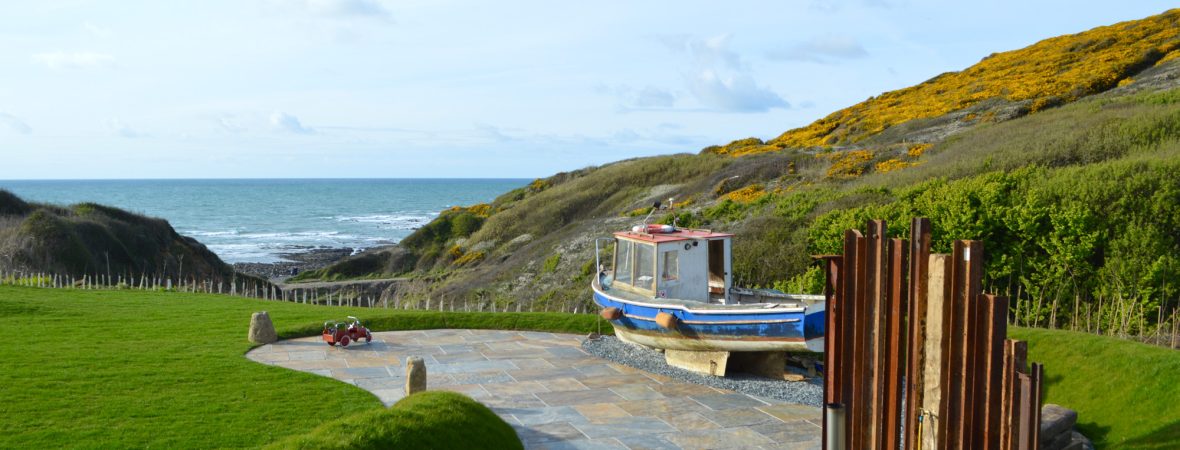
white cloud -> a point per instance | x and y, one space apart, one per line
821 49
75 60
715 51
720 79
712 51
653 97
649 97
230 123
14 124
285 122
96 30
336 8
734 93
122 129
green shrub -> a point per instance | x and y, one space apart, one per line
550 264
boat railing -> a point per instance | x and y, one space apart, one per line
765 296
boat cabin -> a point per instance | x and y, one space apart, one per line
660 261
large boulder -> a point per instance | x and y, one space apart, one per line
262 331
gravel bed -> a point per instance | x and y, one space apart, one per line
643 358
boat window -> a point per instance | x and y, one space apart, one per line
645 266
623 261
671 266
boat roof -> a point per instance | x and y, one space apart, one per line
681 234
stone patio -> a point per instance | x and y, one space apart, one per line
555 395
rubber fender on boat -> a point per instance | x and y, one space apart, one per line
667 321
612 313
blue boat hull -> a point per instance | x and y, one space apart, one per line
716 327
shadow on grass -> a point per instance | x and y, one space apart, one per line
1165 437
1095 433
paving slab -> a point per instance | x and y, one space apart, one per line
555 395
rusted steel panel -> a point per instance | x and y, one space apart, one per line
875 345
1038 378
896 337
882 338
859 379
854 274
832 310
974 350
967 275
1020 366
972 356
990 400
919 255
953 334
833 265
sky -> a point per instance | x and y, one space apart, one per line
461 89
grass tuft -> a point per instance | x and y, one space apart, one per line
432 419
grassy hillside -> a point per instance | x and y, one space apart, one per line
1049 73
1076 203
136 369
88 238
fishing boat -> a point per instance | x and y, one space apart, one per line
671 288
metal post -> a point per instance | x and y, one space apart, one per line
834 432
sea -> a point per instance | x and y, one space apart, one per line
261 220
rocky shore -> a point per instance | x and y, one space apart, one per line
298 262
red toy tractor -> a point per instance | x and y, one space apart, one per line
343 334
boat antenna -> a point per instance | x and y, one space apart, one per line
672 209
655 207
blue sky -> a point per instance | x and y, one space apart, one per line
376 88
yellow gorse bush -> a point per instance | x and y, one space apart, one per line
1170 56
748 194
892 164
470 257
1050 72
481 209
918 149
849 164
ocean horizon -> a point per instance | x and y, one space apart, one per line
261 219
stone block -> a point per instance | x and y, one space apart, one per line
708 363
262 330
1056 420
415 375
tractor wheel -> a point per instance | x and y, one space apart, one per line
330 344
344 341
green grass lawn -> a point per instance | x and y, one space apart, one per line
105 369
118 369
1127 394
